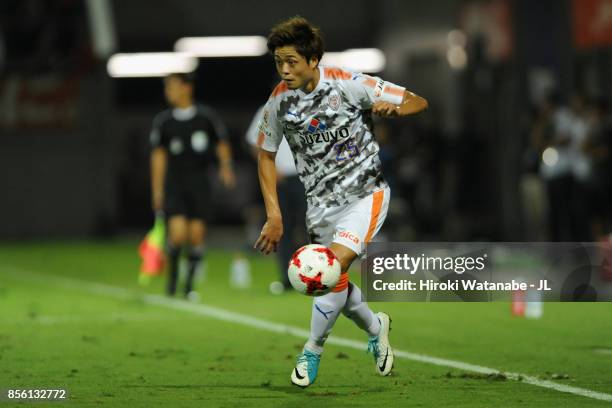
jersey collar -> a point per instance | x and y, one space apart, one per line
184 114
316 89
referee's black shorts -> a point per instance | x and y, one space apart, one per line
189 196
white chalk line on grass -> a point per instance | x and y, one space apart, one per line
246 320
70 319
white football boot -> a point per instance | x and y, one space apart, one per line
380 347
306 369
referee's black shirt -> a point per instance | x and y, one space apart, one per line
190 137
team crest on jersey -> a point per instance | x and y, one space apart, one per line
176 146
199 141
334 101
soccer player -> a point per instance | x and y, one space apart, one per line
183 140
325 113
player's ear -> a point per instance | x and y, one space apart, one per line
313 62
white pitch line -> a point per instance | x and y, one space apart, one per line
69 319
246 320
603 351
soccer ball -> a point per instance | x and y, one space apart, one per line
314 270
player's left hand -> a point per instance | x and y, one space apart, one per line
227 176
385 109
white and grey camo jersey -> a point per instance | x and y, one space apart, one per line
330 133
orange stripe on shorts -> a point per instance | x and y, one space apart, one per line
342 283
377 201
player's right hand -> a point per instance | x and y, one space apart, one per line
385 109
271 234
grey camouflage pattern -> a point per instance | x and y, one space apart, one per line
332 174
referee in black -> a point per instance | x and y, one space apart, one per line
184 141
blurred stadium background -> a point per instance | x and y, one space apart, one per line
74 139
518 93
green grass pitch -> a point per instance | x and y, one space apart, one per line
122 351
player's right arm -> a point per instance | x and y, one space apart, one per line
272 230
159 164
268 139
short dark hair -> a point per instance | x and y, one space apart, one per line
186 77
297 31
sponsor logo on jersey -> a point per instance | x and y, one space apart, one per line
199 141
176 146
349 236
316 126
317 132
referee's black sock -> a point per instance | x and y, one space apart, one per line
173 257
195 259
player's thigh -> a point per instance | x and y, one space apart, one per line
361 221
345 255
177 229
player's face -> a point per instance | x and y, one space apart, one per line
176 90
293 68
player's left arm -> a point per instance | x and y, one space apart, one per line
411 104
226 169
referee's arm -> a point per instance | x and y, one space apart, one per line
226 170
159 163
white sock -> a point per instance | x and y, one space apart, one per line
325 312
359 312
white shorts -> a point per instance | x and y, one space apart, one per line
352 225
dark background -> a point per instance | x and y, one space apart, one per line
74 141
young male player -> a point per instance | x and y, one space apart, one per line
183 140
325 114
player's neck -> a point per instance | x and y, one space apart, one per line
312 84
184 104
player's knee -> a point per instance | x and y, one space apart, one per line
345 255
177 239
197 233
196 242
323 302
196 238
351 310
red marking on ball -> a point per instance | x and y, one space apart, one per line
295 260
313 284
330 255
